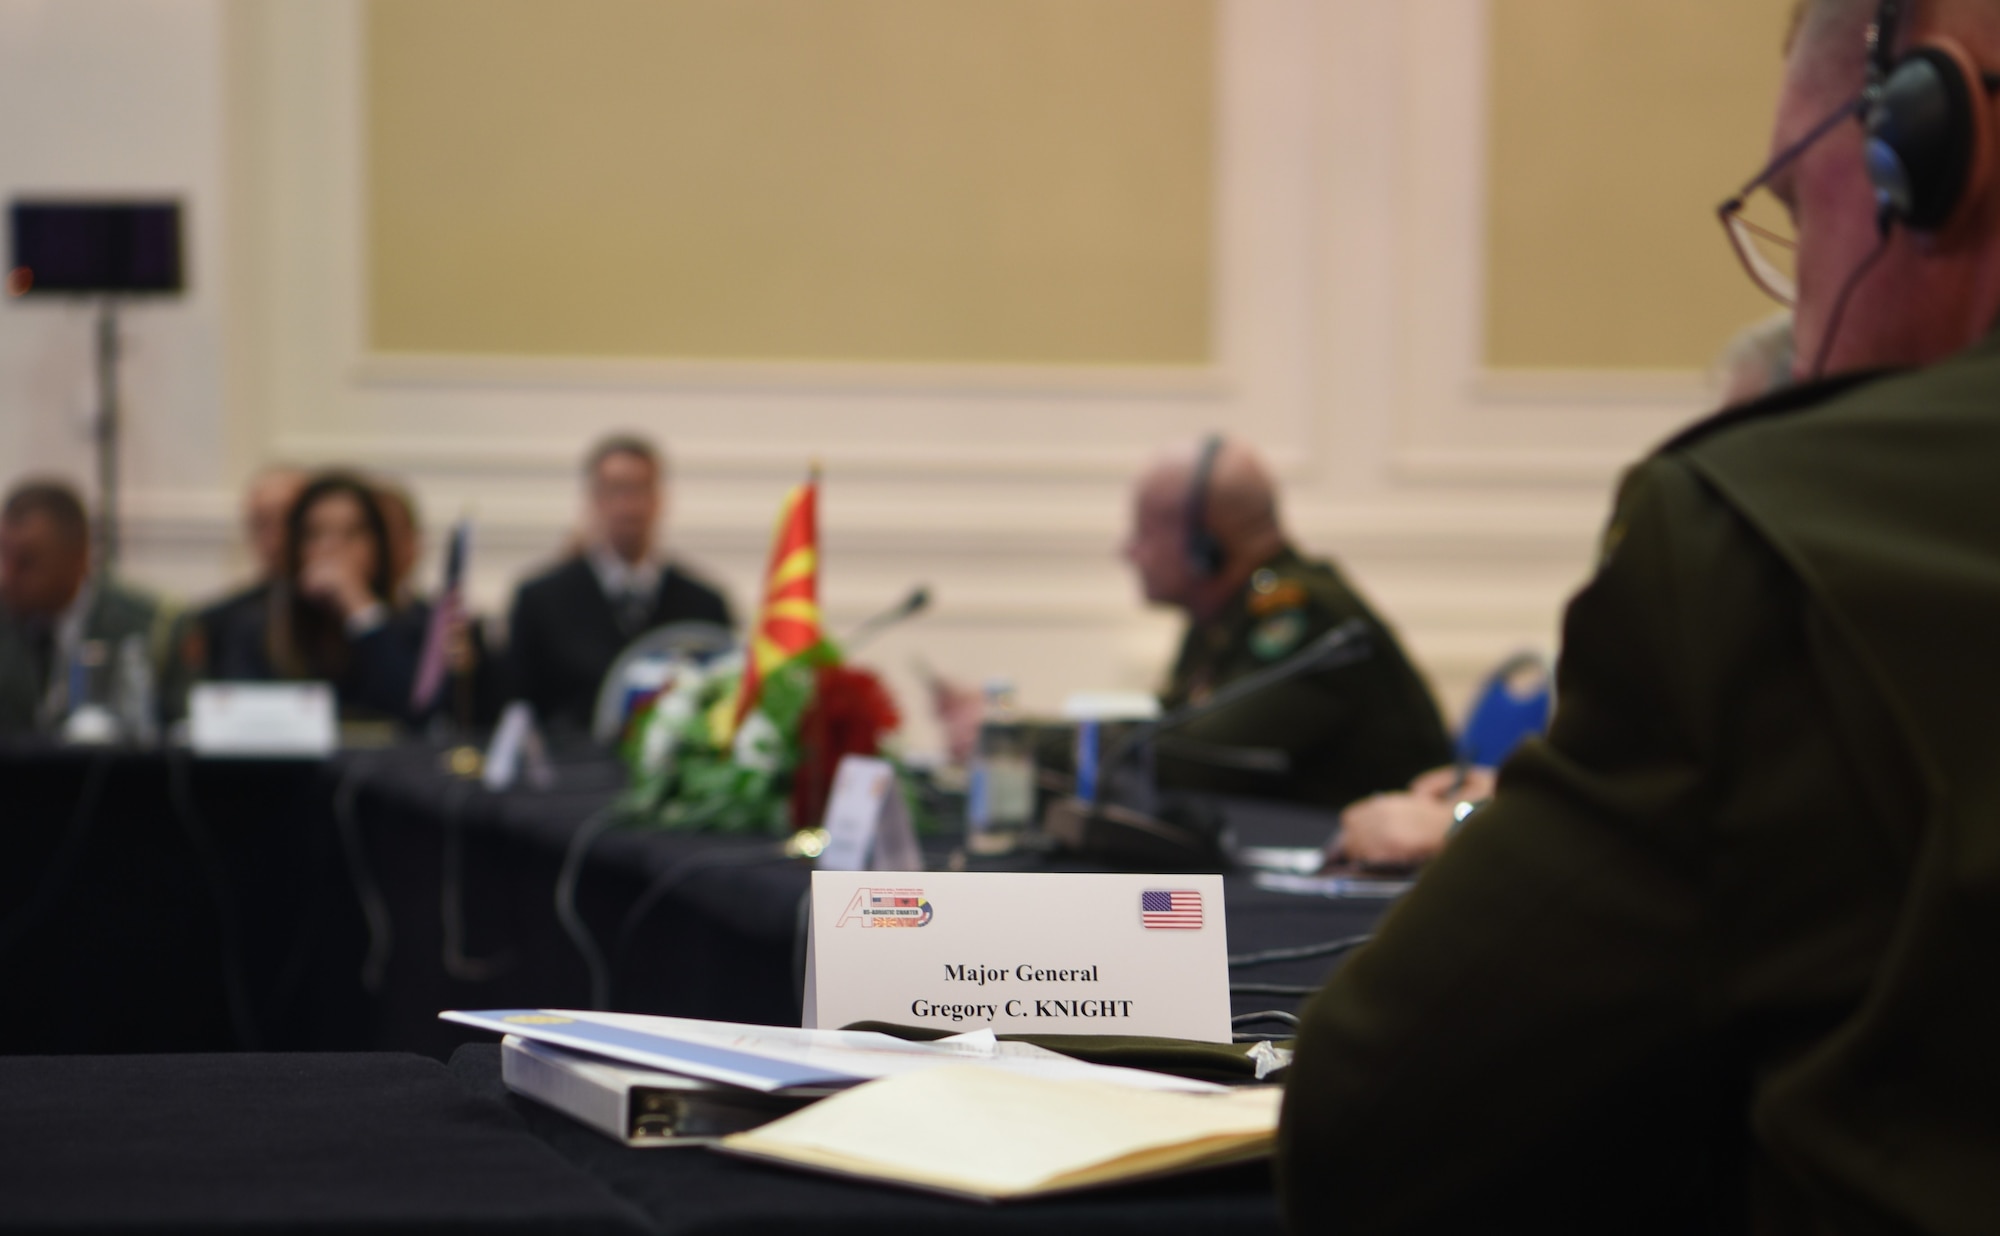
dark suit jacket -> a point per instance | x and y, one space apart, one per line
1719 954
116 613
563 635
381 670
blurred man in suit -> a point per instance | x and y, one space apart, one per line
267 504
569 624
54 617
1718 954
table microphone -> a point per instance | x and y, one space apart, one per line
910 606
1345 644
1183 836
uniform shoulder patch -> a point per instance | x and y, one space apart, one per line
1281 594
1278 634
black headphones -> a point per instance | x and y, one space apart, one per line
1204 553
1926 126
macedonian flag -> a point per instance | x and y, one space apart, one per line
788 624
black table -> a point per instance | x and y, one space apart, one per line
688 1191
368 1144
153 902
253 1143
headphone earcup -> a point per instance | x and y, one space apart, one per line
1205 556
1926 133
1204 553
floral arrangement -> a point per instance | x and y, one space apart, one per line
750 743
694 768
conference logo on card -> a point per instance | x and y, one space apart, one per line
886 907
1176 909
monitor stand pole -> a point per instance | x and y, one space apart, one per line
107 436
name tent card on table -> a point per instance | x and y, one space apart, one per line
516 749
867 822
262 719
1021 953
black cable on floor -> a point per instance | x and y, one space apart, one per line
451 897
208 858
671 879
572 922
82 822
1303 952
1271 989
1283 1018
374 906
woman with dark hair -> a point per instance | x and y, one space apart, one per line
331 615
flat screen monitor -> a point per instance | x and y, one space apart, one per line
81 246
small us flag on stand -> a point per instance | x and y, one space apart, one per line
1175 909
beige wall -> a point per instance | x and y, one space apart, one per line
903 180
1352 164
1616 128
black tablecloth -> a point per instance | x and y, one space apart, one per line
249 1143
686 1191
153 902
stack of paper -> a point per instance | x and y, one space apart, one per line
658 1081
977 1132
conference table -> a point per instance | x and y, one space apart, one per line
159 914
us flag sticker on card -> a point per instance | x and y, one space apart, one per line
1170 909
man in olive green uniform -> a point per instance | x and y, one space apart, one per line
1206 538
54 616
1718 955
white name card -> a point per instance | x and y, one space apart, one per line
516 747
262 719
1021 953
867 822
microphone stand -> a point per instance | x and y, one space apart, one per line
106 432
1343 645
910 606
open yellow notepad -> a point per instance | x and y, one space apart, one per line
984 1134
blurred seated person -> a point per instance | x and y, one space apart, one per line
267 501
1408 828
330 616
1207 540
569 624
54 615
406 534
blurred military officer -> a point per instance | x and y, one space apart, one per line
1718 954
1207 539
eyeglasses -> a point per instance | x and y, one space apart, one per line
1768 250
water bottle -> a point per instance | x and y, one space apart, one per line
1001 793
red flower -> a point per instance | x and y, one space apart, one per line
850 714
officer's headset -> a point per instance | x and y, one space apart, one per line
1204 553
1928 129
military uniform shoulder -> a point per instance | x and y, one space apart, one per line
1803 397
1288 601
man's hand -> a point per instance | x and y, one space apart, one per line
1406 829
